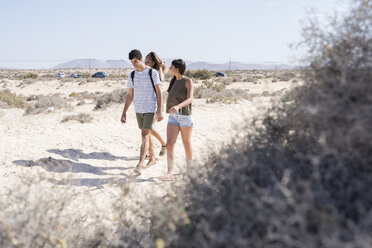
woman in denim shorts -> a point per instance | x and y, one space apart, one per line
179 107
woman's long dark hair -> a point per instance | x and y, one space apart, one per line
158 63
181 66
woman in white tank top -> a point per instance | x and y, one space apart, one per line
152 60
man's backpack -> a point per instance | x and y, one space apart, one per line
152 81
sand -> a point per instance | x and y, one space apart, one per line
93 155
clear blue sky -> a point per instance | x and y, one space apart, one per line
43 33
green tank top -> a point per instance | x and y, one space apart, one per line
178 94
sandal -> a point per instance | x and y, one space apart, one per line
138 170
167 178
162 152
150 163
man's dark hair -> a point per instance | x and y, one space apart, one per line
135 54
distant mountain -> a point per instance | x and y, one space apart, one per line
234 65
168 61
237 66
93 63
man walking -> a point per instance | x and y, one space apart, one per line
144 91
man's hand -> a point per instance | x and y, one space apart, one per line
159 116
123 118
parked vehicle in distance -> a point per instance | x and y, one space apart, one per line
220 74
73 75
99 74
60 75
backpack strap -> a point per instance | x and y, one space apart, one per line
132 76
152 81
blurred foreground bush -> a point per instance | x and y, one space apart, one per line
302 177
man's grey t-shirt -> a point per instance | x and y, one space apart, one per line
144 95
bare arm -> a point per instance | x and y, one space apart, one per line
161 74
128 101
159 100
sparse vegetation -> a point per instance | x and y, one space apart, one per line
299 179
106 100
222 99
199 74
12 100
217 92
82 118
46 104
30 75
299 176
83 95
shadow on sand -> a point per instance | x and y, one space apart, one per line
62 166
76 154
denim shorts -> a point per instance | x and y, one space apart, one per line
180 120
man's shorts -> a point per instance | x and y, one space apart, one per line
145 120
180 120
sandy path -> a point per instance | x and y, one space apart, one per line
91 155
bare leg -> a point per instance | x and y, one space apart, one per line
152 160
186 139
172 134
158 137
151 148
145 133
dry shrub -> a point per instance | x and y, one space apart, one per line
224 80
218 93
250 79
30 75
46 103
91 80
33 98
81 103
237 78
3 105
41 214
12 100
28 81
68 80
82 118
48 75
265 93
199 74
301 178
286 76
82 82
222 99
83 95
106 100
